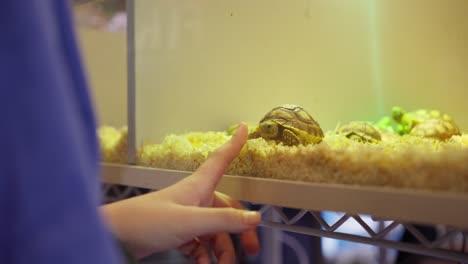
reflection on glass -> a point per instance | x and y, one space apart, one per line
108 15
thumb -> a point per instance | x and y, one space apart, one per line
213 168
203 221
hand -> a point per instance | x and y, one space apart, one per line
189 215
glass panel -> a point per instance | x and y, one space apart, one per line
102 35
205 65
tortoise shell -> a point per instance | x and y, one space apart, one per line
289 124
360 131
408 120
436 129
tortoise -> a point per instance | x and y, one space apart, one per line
360 131
435 128
408 120
289 124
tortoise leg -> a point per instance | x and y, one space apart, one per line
290 139
254 134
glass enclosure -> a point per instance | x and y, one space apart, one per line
205 65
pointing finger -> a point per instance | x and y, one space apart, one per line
213 168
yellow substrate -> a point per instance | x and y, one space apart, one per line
402 162
113 144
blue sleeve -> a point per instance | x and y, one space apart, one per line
49 171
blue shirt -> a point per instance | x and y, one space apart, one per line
49 171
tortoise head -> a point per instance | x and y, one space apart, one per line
398 113
268 129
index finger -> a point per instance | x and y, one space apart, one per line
213 168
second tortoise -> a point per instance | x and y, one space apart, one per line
360 131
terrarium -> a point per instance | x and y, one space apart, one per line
380 85
364 101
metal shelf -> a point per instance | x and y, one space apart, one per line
392 208
382 203
444 246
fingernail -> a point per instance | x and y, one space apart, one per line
251 217
240 125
